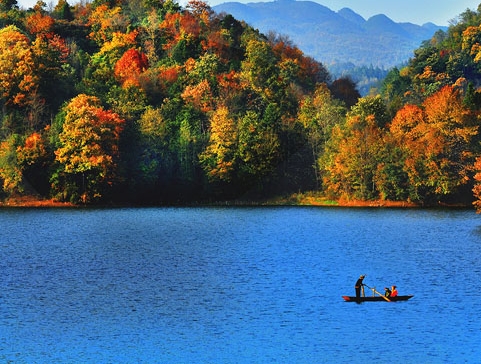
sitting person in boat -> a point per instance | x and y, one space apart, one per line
387 292
393 291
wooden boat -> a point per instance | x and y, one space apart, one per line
376 298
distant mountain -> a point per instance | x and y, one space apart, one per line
335 37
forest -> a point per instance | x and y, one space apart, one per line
148 102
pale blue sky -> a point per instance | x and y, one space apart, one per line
439 12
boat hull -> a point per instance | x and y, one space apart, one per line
376 298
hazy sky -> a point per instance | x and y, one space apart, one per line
439 12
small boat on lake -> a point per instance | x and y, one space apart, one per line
376 298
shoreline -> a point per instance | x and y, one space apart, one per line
31 201
34 201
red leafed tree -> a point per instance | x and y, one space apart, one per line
177 27
130 66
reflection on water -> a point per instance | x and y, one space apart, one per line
236 285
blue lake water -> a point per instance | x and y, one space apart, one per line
237 285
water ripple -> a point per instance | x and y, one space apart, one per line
247 285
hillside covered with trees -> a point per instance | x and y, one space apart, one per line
345 42
140 102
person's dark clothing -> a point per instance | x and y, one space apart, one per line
358 286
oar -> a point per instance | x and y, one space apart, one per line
383 296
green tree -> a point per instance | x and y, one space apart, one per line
11 172
192 138
259 67
371 106
63 11
318 114
9 13
352 158
258 148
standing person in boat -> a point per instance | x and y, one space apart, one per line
387 292
358 285
393 291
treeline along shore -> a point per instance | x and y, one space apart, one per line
138 102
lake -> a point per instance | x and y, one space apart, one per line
238 285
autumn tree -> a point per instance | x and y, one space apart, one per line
354 152
304 71
129 67
39 23
219 159
9 13
151 36
105 22
371 106
88 150
437 141
51 67
99 76
181 32
404 131
18 80
35 158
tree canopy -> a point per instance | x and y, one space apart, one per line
150 102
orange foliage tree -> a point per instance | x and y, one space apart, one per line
436 140
38 23
200 96
33 150
129 67
181 32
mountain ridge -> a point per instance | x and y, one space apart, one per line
335 37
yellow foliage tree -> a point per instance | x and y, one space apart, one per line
18 81
89 144
219 157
